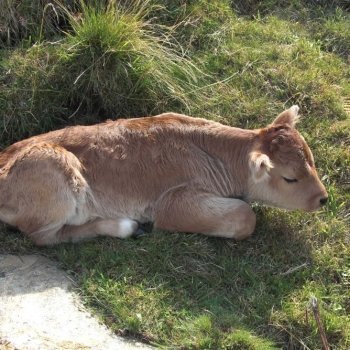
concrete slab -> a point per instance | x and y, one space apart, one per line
38 310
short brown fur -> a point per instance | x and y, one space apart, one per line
179 172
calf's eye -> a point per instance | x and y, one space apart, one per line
286 179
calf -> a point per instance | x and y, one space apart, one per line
178 172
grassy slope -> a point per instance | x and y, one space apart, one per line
189 291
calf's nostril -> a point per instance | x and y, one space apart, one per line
323 200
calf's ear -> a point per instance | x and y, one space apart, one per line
260 166
288 117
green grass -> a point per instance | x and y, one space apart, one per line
110 61
27 20
221 60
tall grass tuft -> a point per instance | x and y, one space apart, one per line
126 64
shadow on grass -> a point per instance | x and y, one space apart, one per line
187 290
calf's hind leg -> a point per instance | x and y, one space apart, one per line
119 227
42 189
188 210
46 196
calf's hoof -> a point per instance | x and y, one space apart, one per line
143 229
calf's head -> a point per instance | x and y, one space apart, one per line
283 172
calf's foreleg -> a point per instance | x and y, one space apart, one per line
188 210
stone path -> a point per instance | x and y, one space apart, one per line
38 310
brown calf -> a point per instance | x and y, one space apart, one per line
181 173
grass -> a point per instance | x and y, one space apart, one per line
221 60
110 61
